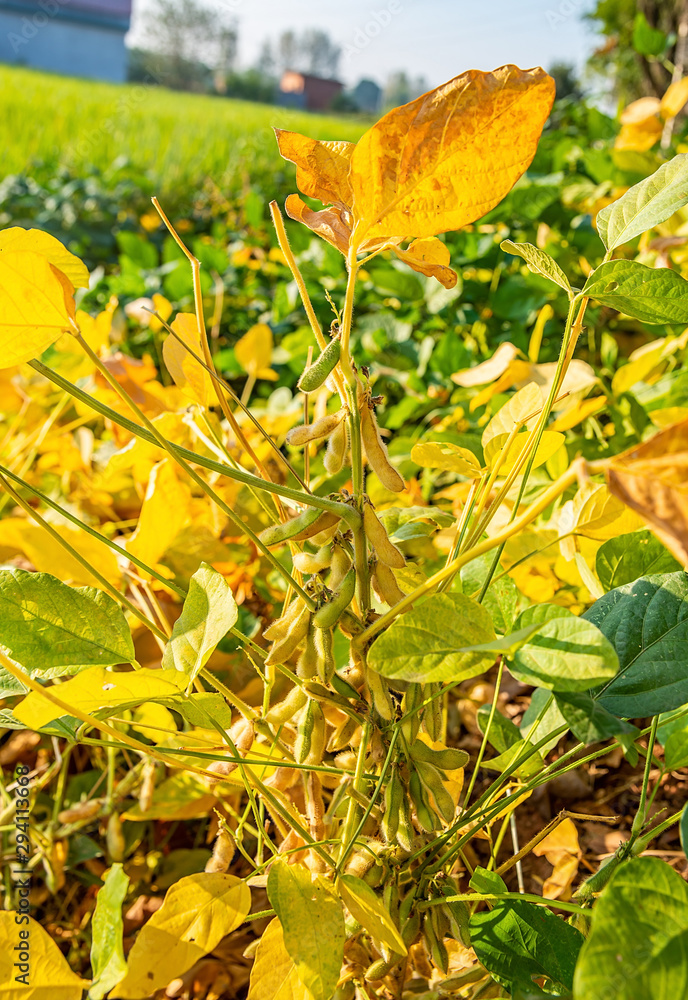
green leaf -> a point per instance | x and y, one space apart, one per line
107 956
650 294
45 624
647 623
503 599
487 882
648 41
676 749
683 829
589 720
638 943
503 732
645 205
567 654
531 763
517 941
539 262
541 719
313 923
209 612
9 684
362 903
626 558
426 644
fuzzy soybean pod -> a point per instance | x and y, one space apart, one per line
329 614
342 736
339 567
278 534
385 584
311 563
432 713
447 760
336 449
375 450
377 535
405 833
283 649
307 665
431 779
285 710
315 374
433 941
427 819
279 628
380 696
310 735
394 793
223 851
324 644
298 437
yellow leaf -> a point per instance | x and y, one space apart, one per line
48 556
487 371
421 170
322 168
674 99
579 378
327 223
47 246
254 352
549 445
668 416
641 363
152 714
364 906
431 257
164 513
192 379
640 111
639 137
36 306
198 911
652 479
98 687
274 975
562 850
447 457
44 974
163 307
180 797
579 412
524 407
598 514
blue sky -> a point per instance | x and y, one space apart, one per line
433 38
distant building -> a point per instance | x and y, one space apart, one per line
367 96
311 93
74 37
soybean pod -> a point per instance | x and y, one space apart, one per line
328 615
324 364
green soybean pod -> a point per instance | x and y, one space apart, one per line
324 643
394 792
405 832
304 732
284 710
315 375
426 817
283 649
431 780
328 615
449 759
276 534
300 436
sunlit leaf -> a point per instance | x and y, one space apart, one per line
254 352
192 379
420 170
327 222
100 688
44 973
646 204
674 99
313 924
165 511
274 975
36 306
627 557
322 168
39 242
107 956
650 294
487 371
538 262
446 457
366 907
198 911
209 612
562 850
431 257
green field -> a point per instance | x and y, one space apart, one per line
175 140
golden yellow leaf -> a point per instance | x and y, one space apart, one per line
254 352
163 307
641 363
652 479
640 110
562 850
165 511
431 257
579 378
152 714
421 170
192 379
668 415
598 514
98 687
181 796
47 246
446 457
327 223
48 556
36 306
44 974
578 412
198 911
274 975
487 371
524 407
549 445
322 168
639 137
674 99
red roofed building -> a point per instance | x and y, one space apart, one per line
73 37
312 93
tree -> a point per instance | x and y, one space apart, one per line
311 52
189 40
645 45
564 76
400 89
